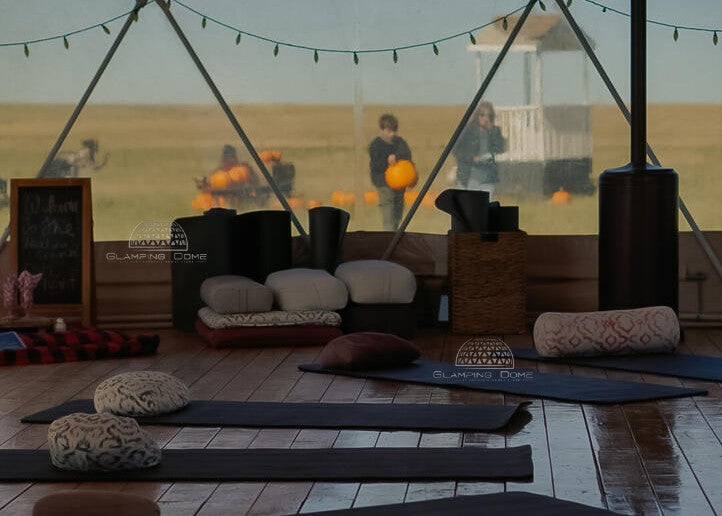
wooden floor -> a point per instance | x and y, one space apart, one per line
644 458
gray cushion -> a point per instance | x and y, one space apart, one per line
141 393
105 442
235 295
307 289
377 282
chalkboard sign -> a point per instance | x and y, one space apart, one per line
51 232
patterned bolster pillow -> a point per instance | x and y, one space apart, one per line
141 393
100 442
653 329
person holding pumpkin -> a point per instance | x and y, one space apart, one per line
480 141
386 150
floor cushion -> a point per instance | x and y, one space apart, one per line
377 281
141 393
250 336
272 318
100 442
236 294
307 289
652 329
368 350
86 502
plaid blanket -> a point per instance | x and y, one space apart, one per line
75 345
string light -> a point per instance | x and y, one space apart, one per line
436 49
675 36
66 43
472 39
396 57
315 56
543 7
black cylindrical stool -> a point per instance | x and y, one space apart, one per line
638 238
327 227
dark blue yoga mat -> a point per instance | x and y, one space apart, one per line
496 504
538 385
397 416
665 364
266 464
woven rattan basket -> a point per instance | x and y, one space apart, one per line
488 282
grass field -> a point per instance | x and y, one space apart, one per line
156 151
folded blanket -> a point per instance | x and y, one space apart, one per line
76 345
273 318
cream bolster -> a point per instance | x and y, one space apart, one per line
653 329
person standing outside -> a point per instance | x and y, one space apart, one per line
385 150
476 149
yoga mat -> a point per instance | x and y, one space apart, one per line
542 385
314 415
497 504
295 464
326 227
666 364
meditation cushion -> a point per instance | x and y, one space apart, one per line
247 336
272 318
368 350
141 393
105 442
377 281
307 289
86 502
236 294
652 329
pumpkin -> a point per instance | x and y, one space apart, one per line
410 197
561 196
349 199
371 197
313 203
401 175
428 200
295 202
270 155
337 197
220 179
240 174
203 202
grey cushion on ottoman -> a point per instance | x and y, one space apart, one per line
377 281
307 289
100 442
141 393
235 295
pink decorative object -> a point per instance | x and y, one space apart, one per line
26 285
653 329
10 295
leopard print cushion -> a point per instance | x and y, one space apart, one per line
141 393
100 442
653 329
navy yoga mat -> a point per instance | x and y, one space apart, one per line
539 385
497 504
666 364
295 464
314 415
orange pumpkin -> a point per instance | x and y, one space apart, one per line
401 175
349 199
239 174
270 155
203 202
410 197
313 203
337 197
295 202
561 196
220 179
371 197
428 200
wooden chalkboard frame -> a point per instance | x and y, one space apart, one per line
84 309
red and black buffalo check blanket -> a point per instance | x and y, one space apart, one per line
75 345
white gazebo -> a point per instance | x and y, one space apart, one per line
547 146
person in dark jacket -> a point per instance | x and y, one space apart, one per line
475 151
386 149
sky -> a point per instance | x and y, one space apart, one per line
151 66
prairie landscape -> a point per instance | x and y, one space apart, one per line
156 152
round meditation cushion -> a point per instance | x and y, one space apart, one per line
653 329
100 442
377 282
141 393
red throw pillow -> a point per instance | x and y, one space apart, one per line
368 350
